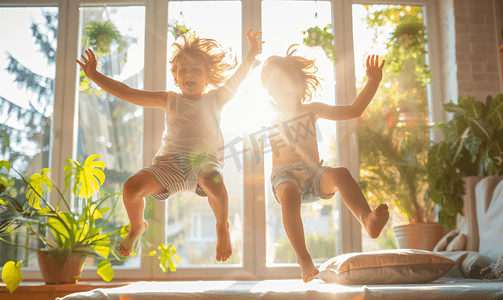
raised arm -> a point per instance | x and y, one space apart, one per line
228 90
347 112
119 89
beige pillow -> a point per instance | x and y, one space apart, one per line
445 240
385 267
457 244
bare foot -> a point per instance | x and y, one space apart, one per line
375 221
309 271
127 244
224 248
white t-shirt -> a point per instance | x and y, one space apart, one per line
193 126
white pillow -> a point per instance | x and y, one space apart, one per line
490 221
385 267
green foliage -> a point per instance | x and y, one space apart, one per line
177 29
393 131
168 255
323 246
407 42
85 232
316 37
472 146
100 35
11 275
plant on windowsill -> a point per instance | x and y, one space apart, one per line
472 146
317 37
393 148
75 236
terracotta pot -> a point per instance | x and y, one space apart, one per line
58 268
422 236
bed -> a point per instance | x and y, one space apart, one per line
482 223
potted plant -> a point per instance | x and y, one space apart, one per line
472 146
74 236
100 35
393 145
317 37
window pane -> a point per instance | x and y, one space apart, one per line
191 223
282 24
393 131
108 126
27 72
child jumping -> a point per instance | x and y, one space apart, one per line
191 156
298 176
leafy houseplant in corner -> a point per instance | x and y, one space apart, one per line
472 146
75 236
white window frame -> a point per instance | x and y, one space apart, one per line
254 208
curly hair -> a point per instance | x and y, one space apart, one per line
301 70
216 60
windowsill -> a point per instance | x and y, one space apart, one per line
41 287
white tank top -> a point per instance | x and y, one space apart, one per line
193 126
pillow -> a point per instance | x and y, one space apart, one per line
385 267
468 263
444 241
457 244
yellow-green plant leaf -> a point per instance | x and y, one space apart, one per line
105 270
96 214
82 232
125 230
87 178
36 181
60 231
44 210
102 247
11 275
5 164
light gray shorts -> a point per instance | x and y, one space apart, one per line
305 175
178 173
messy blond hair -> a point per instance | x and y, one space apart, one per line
216 61
301 70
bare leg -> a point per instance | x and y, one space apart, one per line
340 179
211 182
289 196
135 189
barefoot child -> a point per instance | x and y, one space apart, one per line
298 176
191 155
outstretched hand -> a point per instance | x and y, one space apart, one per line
90 62
253 42
374 71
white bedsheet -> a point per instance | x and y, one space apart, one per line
444 288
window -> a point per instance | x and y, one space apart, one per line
27 73
71 117
398 115
110 127
283 23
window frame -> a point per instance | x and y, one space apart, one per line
155 67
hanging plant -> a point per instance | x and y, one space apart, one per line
316 37
177 28
407 43
101 35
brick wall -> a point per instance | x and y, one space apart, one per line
476 54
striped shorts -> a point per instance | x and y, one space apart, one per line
178 173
